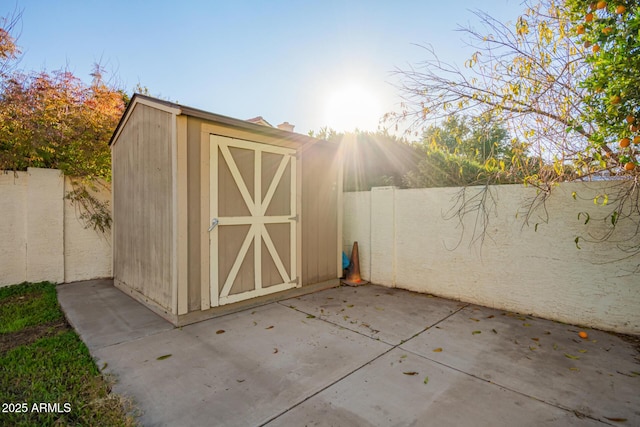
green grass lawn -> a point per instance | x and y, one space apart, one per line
47 376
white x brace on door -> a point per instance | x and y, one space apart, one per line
253 219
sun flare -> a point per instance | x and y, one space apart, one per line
352 106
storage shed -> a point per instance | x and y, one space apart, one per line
212 213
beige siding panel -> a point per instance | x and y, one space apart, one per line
319 214
142 185
193 212
281 236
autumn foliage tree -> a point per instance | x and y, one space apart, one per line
54 120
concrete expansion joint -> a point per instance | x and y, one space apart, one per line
390 349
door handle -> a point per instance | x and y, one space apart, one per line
214 223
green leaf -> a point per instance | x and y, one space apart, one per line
567 355
574 194
310 316
577 239
166 356
476 332
410 373
426 380
614 218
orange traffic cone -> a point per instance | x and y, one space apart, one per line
353 272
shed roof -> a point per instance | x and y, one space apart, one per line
179 109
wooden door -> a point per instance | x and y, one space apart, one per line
253 216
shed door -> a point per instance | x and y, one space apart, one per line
253 199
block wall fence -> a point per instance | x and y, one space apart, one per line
405 241
41 234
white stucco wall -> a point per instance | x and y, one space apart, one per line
13 237
357 228
41 235
87 252
517 268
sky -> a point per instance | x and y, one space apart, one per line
311 63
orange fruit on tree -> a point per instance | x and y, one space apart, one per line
583 335
636 139
633 128
589 17
601 5
607 30
629 166
620 9
595 48
615 99
630 119
580 29
624 142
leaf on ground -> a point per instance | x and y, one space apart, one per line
349 305
220 331
345 317
379 308
555 346
404 356
275 350
255 323
582 351
104 366
269 327
494 331
310 316
635 374
547 333
410 373
526 324
240 381
491 316
476 332
536 339
166 356
437 350
574 369
426 380
616 419
475 320
567 355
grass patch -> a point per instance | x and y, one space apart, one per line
54 367
28 305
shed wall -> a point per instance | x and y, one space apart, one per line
320 165
142 205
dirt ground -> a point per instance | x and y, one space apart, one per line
31 334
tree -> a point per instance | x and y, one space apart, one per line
566 103
463 151
54 120
610 33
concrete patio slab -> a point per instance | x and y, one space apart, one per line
403 389
598 377
302 362
377 312
265 361
103 315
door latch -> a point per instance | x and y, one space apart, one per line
214 223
